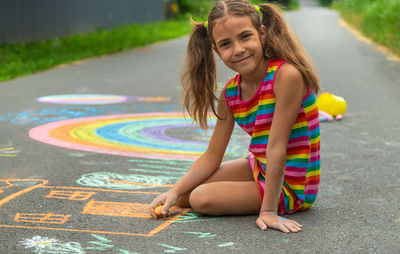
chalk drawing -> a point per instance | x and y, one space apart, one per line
121 251
96 99
42 245
46 245
83 99
35 117
101 244
45 218
64 215
124 181
226 244
156 172
180 166
79 155
149 135
71 195
171 249
104 244
201 235
163 167
8 150
191 217
94 163
149 99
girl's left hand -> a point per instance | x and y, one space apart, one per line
272 220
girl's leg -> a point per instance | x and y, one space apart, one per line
231 171
226 198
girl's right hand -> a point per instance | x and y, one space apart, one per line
167 199
272 220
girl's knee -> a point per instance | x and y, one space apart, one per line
200 200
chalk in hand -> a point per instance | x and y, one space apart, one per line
158 210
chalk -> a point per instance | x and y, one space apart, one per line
158 210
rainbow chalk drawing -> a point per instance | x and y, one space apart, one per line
83 99
158 135
47 115
95 99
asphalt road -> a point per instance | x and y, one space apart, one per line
77 171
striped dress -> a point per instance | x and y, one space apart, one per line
302 170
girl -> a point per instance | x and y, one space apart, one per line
272 98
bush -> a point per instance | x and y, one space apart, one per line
377 19
325 2
199 8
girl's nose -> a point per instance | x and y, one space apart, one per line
239 49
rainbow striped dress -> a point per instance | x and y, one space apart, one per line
302 170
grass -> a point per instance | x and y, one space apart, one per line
291 4
27 58
325 2
23 59
376 19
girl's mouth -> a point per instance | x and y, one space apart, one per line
242 60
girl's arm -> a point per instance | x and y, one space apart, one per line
289 89
206 164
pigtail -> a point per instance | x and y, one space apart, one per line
282 43
199 76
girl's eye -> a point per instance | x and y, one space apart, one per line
245 36
223 45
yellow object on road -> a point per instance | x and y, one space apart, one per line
331 104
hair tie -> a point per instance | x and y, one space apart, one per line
206 25
258 9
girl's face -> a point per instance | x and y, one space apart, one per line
238 44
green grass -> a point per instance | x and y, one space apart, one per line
325 2
27 58
287 4
376 19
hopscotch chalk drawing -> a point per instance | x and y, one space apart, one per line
158 135
82 210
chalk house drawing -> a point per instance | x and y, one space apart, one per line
78 209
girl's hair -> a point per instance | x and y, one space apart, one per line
199 76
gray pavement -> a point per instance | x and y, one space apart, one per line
75 178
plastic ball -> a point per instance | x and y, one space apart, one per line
331 104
